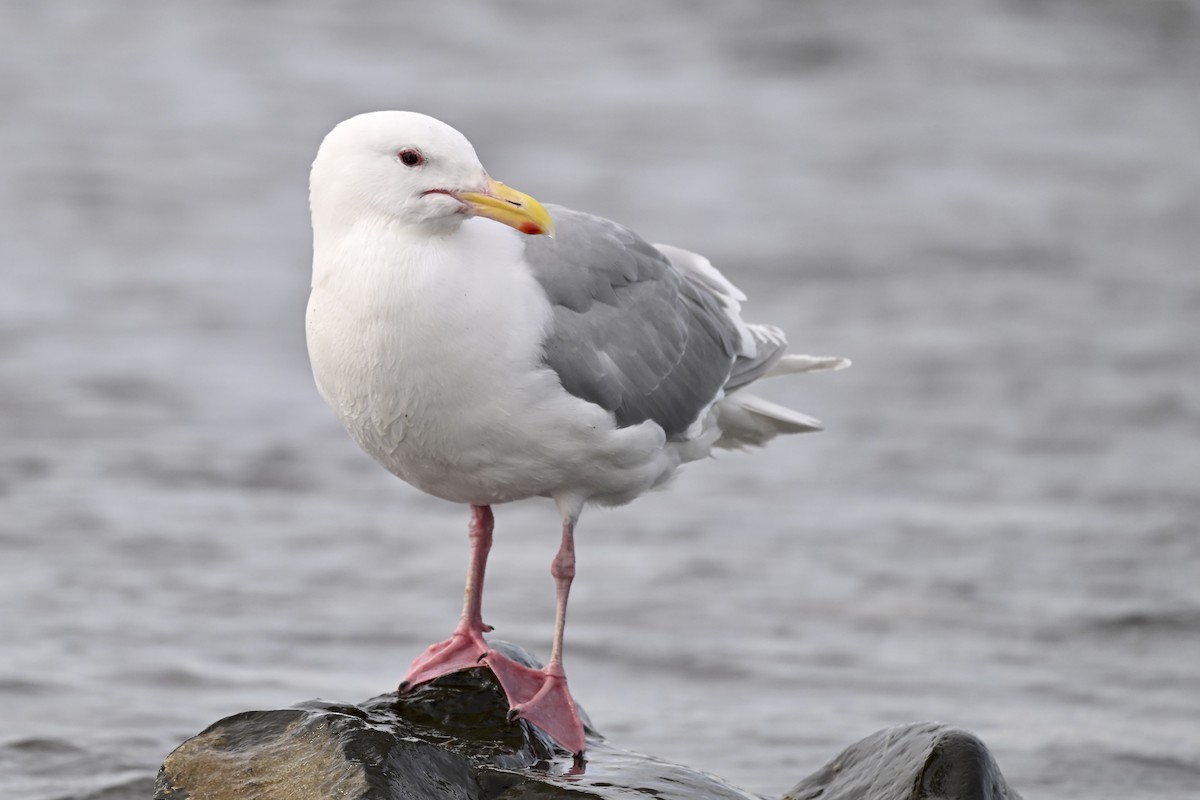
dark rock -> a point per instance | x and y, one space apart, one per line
921 761
451 739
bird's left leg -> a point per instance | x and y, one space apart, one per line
541 696
466 647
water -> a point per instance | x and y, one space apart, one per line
990 206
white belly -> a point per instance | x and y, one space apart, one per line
436 373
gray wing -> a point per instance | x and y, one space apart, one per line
630 332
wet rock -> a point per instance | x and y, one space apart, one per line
451 739
921 761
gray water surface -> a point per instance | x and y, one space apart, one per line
991 206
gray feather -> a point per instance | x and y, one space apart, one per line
771 344
629 332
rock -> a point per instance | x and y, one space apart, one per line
451 739
921 761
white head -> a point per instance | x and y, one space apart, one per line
413 170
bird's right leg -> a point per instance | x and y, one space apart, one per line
541 696
466 646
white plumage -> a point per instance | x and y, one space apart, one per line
483 365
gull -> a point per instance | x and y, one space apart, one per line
485 348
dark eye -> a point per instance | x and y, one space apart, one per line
411 158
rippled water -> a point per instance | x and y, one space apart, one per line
990 206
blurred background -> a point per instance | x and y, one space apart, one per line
992 206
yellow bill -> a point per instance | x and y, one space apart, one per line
510 207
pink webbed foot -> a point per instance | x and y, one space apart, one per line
541 697
463 650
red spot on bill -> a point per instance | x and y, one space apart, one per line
531 228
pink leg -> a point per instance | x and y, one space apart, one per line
542 696
465 648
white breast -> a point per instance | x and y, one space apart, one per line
430 354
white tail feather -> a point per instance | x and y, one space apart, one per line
793 363
742 419
746 420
